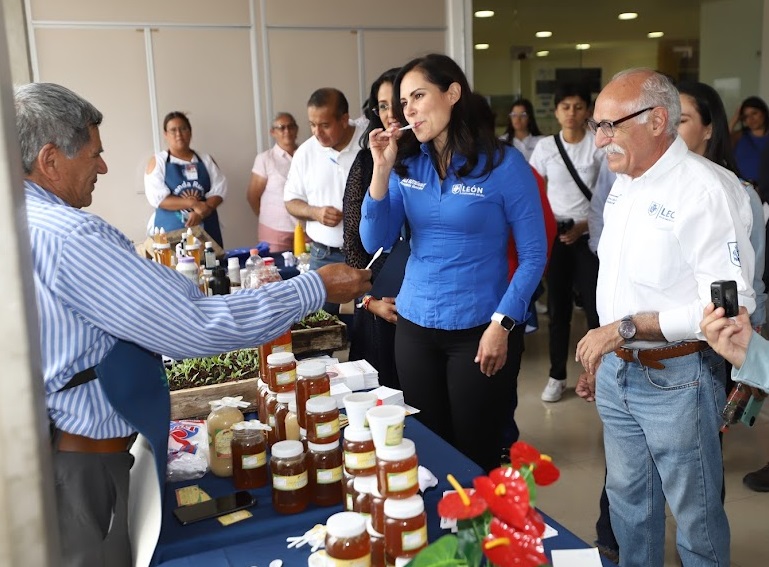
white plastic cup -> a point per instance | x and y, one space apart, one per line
356 405
386 424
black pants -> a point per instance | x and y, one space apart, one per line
372 338
572 267
92 502
439 376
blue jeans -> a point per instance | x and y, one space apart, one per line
661 439
322 255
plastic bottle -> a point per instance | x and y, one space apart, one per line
253 265
249 455
299 241
405 528
207 275
735 405
210 256
281 411
290 483
224 414
193 249
233 272
219 283
324 466
269 272
189 269
162 253
347 541
291 423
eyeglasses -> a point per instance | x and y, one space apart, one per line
607 126
282 127
179 130
518 115
381 107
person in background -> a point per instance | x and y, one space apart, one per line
373 332
459 337
573 267
314 190
184 187
265 191
89 318
752 136
673 223
522 130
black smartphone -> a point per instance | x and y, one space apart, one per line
213 508
723 293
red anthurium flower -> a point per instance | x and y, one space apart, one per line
522 454
462 504
506 493
506 547
535 525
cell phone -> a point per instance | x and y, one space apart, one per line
751 411
213 508
723 293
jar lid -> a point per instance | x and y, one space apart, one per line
287 449
346 524
311 369
302 432
280 358
365 483
209 244
321 404
370 529
292 405
232 260
404 450
260 383
194 246
404 508
323 447
286 397
357 434
161 245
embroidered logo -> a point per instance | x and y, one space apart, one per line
734 254
659 211
461 189
413 184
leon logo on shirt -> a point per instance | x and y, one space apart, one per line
734 254
413 184
659 211
462 189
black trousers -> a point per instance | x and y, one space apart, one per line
572 267
438 375
92 502
372 338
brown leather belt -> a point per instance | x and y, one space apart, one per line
651 357
71 443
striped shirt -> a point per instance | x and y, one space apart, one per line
92 288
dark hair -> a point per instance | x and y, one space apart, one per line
176 114
565 90
471 125
759 104
331 98
533 128
711 110
371 102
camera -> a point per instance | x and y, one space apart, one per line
565 226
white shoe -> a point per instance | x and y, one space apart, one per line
554 390
540 307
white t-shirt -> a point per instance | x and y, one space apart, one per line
318 176
566 199
525 146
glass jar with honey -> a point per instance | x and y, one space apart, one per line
405 528
347 541
281 412
359 453
290 485
324 467
281 371
397 470
377 545
224 414
363 488
322 420
311 381
249 455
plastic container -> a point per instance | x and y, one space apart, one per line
253 265
324 466
377 509
281 371
224 414
322 418
269 272
405 528
311 381
348 486
189 269
364 486
219 283
281 411
359 453
233 272
290 486
270 407
299 240
280 344
193 249
347 541
291 422
161 253
397 470
249 455
210 256
377 545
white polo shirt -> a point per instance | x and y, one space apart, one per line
667 236
318 176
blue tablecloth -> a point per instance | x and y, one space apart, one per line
259 540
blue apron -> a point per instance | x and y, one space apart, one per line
181 181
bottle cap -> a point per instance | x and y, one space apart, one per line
404 508
324 447
321 404
311 369
233 260
364 483
254 252
286 397
292 405
404 450
280 358
251 425
287 449
357 434
370 529
345 524
232 402
209 244
161 245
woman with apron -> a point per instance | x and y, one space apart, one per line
184 187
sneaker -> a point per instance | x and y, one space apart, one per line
540 307
758 481
554 390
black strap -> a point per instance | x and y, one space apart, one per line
82 377
570 166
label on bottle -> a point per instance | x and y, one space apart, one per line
285 377
364 561
289 483
326 393
281 348
394 434
254 461
348 502
271 420
329 476
414 540
327 429
397 482
223 443
355 461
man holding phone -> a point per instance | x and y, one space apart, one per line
673 224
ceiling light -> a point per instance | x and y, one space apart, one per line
543 53
481 46
583 46
628 16
655 34
543 34
484 13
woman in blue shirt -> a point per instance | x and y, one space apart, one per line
458 340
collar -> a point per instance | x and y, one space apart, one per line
43 193
675 153
280 152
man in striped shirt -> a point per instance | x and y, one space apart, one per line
94 291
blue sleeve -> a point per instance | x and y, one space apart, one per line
755 369
381 221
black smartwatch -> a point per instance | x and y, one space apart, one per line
507 323
627 328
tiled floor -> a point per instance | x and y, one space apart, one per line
570 432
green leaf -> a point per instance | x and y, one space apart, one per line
442 552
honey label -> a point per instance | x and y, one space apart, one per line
329 476
327 429
288 377
228 519
397 482
254 461
223 443
326 393
394 434
414 540
281 348
354 461
190 495
289 483
364 561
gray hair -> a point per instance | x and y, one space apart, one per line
657 90
47 113
282 113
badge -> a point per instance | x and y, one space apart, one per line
191 172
